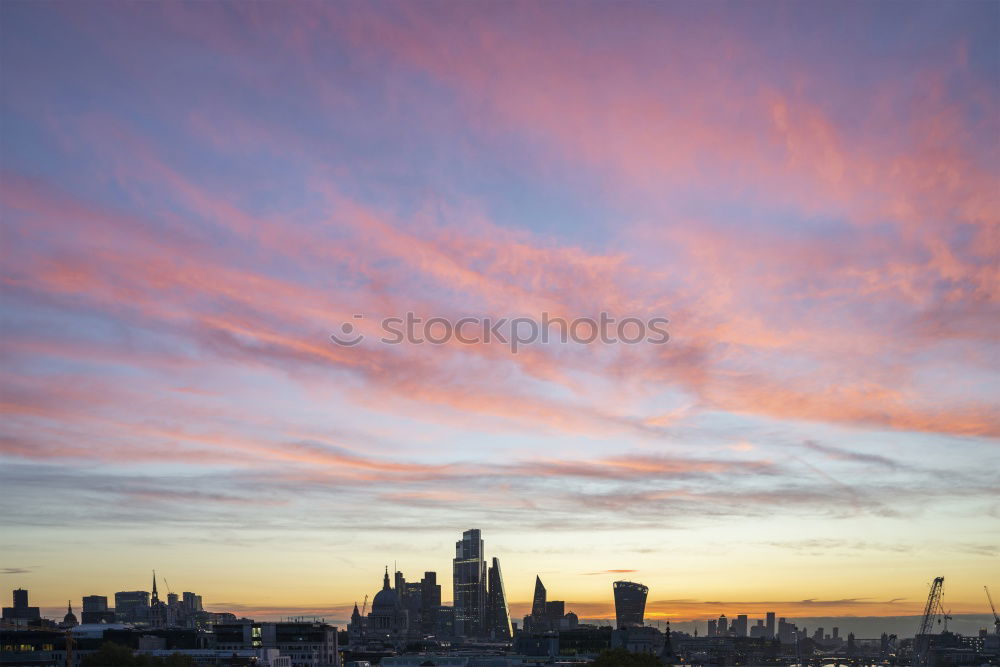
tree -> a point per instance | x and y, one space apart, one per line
619 657
110 655
116 655
178 660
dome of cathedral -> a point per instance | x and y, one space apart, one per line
70 617
385 599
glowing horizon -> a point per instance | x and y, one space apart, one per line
194 197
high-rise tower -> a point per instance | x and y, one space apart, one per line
630 603
538 602
469 584
497 614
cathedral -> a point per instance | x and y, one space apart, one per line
388 621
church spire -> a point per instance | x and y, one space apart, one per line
156 596
385 582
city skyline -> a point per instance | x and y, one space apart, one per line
210 211
518 609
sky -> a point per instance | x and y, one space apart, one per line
195 196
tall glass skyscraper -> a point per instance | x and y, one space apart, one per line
497 614
630 603
469 585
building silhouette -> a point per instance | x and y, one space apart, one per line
191 602
388 618
420 600
69 620
469 584
95 610
497 613
132 606
538 601
548 615
630 603
401 612
21 611
430 601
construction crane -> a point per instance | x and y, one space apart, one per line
996 619
945 616
70 643
930 609
922 640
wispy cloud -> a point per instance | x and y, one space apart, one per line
175 260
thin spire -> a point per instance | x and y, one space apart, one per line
156 596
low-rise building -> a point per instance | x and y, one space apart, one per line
307 644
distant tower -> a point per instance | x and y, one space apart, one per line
469 584
630 603
497 613
667 656
538 603
156 596
20 598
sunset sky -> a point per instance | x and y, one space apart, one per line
194 196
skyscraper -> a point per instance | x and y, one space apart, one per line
630 603
469 584
538 602
770 625
430 600
497 614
